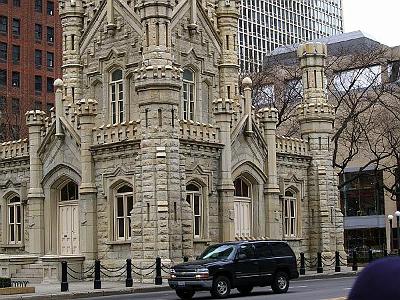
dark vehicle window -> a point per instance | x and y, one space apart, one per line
263 250
281 249
218 252
247 250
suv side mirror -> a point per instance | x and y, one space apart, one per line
197 257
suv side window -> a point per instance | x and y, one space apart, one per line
247 250
281 249
263 249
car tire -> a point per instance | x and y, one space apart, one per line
221 287
244 291
185 294
280 283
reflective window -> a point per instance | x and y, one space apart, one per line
194 198
289 214
14 219
117 97
69 192
123 204
188 105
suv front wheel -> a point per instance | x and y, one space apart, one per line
280 283
221 287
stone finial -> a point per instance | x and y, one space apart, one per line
223 106
268 115
247 82
58 83
87 107
35 118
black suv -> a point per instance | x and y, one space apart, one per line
240 265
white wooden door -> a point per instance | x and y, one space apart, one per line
242 218
69 229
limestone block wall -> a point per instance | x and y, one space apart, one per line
201 163
293 175
14 179
114 165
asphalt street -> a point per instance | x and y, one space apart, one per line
318 289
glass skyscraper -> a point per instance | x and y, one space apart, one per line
267 24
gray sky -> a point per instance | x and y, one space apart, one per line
378 18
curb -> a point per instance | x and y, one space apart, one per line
141 290
327 276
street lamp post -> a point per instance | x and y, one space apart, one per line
397 214
390 218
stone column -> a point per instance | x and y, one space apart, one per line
223 110
58 84
35 122
269 118
87 111
247 86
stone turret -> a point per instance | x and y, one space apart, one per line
228 16
269 119
316 117
156 227
87 111
35 120
71 14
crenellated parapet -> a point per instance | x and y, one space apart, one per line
87 107
316 116
164 76
114 133
268 115
223 106
286 145
199 132
14 149
35 118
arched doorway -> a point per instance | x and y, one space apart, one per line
68 219
242 207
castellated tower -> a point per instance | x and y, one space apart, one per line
72 14
316 118
160 228
227 19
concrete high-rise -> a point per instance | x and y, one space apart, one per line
267 24
30 60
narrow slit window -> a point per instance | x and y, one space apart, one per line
159 117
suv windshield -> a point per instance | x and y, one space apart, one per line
218 252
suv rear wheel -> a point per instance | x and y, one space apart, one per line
221 287
185 294
245 290
280 283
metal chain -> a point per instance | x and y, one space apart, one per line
113 270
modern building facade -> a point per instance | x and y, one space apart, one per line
152 151
268 24
30 60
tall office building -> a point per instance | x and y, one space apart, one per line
30 60
267 24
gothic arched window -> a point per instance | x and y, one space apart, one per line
189 95
14 220
117 97
195 199
289 213
123 201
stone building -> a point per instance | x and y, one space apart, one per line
152 151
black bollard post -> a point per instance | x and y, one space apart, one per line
129 280
302 264
320 269
355 266
64 277
185 259
158 280
370 256
97 281
385 253
337 261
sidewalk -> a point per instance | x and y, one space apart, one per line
85 289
